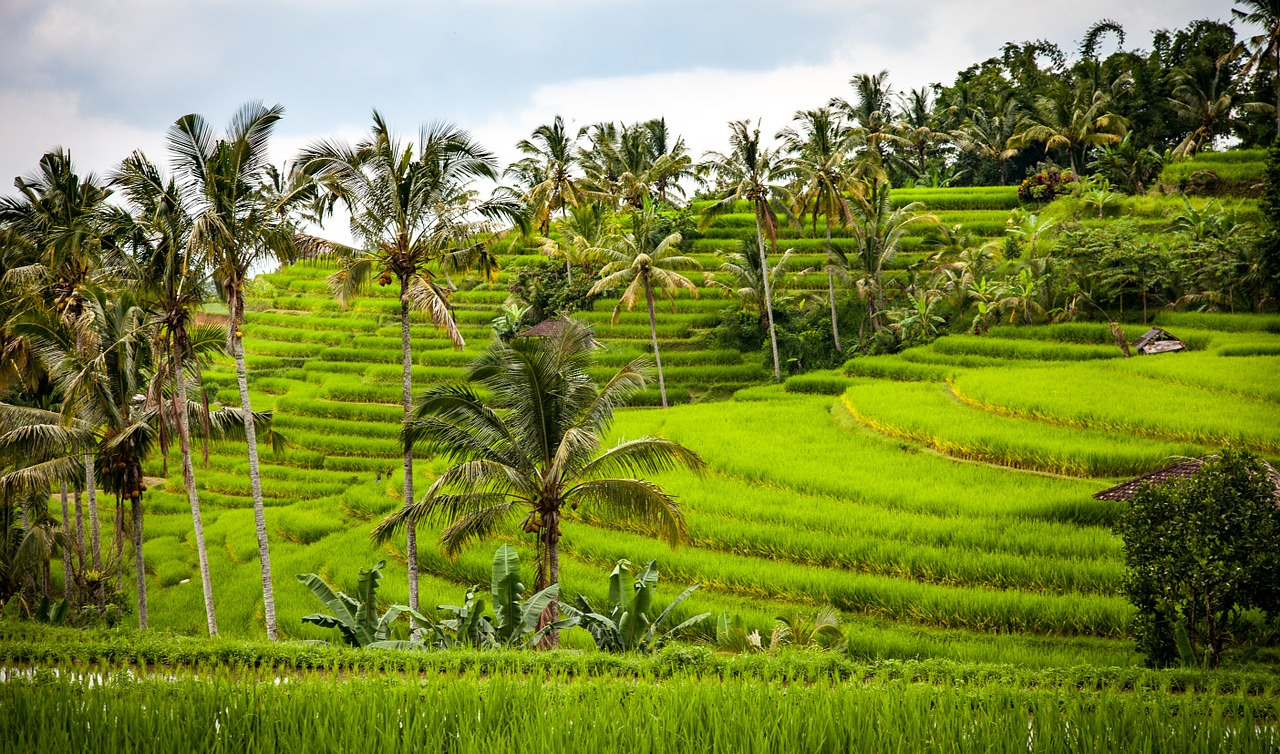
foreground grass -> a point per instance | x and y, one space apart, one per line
107 691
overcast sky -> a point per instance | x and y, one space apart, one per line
104 77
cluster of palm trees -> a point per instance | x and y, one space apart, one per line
103 337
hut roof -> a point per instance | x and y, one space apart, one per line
547 328
1157 340
550 328
1181 470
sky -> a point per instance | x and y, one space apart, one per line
105 77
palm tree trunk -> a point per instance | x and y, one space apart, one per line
255 478
568 270
768 300
551 543
68 547
139 563
95 529
79 534
831 291
193 495
653 332
406 396
118 535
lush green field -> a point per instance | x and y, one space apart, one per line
939 499
119 691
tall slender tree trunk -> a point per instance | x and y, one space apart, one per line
653 333
768 299
831 290
550 536
139 563
68 547
568 269
255 479
95 528
118 535
406 396
193 495
79 536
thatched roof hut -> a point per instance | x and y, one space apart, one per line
1181 470
551 327
1157 340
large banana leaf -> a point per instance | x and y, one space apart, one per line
506 588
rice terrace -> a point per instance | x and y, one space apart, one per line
943 419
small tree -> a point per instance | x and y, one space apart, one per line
1200 551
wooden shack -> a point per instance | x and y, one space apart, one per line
1157 340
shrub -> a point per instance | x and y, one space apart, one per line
1200 550
1046 185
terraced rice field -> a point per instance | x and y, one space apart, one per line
939 499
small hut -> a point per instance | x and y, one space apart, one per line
547 328
1184 469
551 327
1157 340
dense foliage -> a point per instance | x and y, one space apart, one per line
1200 553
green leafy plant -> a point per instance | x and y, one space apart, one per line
355 617
627 625
515 620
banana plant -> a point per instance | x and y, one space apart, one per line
628 625
355 617
514 623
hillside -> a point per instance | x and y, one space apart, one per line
935 497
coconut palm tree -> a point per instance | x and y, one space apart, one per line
758 175
989 134
627 166
916 133
642 263
817 159
1203 101
410 209
524 437
743 269
878 230
239 222
869 116
1073 122
57 255
1265 46
549 171
584 234
174 277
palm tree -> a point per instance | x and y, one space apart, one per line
818 162
1266 46
990 135
1208 106
743 269
641 264
878 230
755 174
916 132
239 222
585 232
527 442
1073 123
54 233
869 115
627 166
552 156
409 208
174 277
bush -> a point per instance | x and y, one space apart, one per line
1199 551
1046 185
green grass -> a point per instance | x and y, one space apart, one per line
929 414
1091 397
